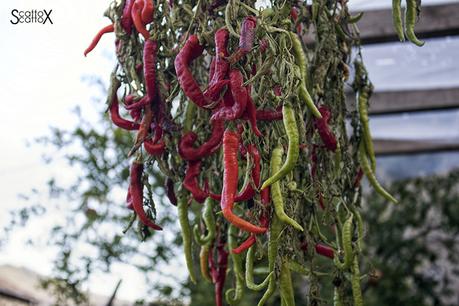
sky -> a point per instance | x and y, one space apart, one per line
42 67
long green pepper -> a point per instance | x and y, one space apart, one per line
209 221
371 176
182 207
347 245
276 192
237 269
285 285
291 129
249 280
355 283
397 19
300 59
362 100
411 13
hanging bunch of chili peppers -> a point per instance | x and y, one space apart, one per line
223 90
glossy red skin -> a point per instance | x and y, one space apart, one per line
136 190
190 153
230 178
239 96
190 51
321 249
107 29
191 183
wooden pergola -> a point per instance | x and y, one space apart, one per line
376 27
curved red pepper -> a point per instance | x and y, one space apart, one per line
321 124
269 115
188 152
136 14
136 190
239 95
221 66
147 11
230 177
107 29
190 51
191 183
245 245
246 39
117 119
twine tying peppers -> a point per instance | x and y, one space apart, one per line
206 88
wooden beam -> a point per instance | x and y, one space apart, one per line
389 102
435 21
385 147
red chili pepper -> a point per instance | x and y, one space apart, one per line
221 66
321 124
136 14
248 192
324 250
239 95
190 51
136 114
245 245
170 192
294 15
269 115
149 70
188 152
136 189
230 177
191 183
147 11
248 30
212 68
251 112
117 119
154 149
107 29
264 44
321 249
126 18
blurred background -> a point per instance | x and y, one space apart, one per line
58 162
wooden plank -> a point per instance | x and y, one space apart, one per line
390 102
386 147
435 21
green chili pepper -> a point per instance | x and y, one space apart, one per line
397 18
186 236
300 59
296 267
249 281
204 262
411 13
276 192
237 269
362 98
285 285
293 152
275 232
371 176
209 221
337 301
346 234
355 282
356 18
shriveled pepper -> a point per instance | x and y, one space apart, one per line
219 65
251 112
191 183
325 133
136 14
190 153
293 147
190 51
136 191
126 17
230 177
240 96
114 108
246 39
218 271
